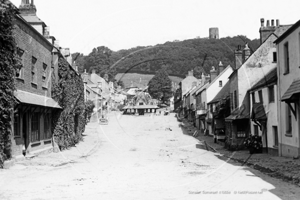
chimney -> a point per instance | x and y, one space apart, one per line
221 67
265 31
213 73
272 22
27 8
262 22
191 73
32 2
93 71
246 52
238 54
277 22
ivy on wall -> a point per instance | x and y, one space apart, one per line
69 124
8 64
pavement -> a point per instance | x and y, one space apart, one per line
286 169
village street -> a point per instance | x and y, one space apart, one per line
138 157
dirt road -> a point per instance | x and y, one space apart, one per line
146 157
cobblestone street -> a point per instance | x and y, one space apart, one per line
138 157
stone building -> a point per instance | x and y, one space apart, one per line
33 112
214 33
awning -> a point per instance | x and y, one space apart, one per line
292 92
258 112
239 113
34 99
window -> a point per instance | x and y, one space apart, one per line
260 96
44 77
47 130
33 70
220 84
256 132
275 134
274 57
35 136
271 94
231 101
141 103
235 100
288 120
253 97
286 58
17 125
20 72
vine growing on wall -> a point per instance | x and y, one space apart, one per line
8 64
69 123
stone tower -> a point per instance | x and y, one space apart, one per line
214 33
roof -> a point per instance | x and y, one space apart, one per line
203 87
224 92
270 78
33 19
287 32
291 91
237 114
34 99
141 107
258 112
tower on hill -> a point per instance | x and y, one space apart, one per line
214 33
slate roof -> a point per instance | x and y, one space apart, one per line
292 90
224 92
288 31
270 78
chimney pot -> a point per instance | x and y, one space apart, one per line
268 23
262 21
277 22
272 22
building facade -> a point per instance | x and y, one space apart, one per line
288 48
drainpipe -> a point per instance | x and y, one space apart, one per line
278 102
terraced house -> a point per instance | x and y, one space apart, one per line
33 113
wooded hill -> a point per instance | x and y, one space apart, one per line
177 57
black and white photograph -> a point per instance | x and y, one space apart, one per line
149 100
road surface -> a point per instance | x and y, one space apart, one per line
138 157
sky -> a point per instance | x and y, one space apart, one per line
82 25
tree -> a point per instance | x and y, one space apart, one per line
160 86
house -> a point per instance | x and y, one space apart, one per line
263 111
185 87
220 108
288 91
249 70
141 104
35 106
206 93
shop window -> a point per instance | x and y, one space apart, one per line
275 134
286 58
47 130
271 94
35 136
33 70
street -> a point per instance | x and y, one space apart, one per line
138 157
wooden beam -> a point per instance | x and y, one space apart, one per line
292 109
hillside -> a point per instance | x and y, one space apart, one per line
140 80
176 57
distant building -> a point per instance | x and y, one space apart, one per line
214 33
